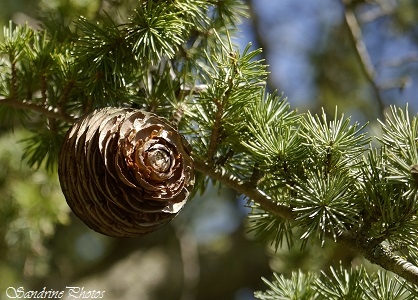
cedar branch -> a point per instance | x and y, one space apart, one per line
381 255
376 253
245 188
29 105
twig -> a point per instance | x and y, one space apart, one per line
258 196
29 105
397 62
62 101
44 90
366 64
178 114
221 161
217 125
256 176
380 255
374 14
192 90
199 88
214 136
400 83
13 84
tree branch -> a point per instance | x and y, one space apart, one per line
29 105
376 253
380 255
389 261
258 196
363 56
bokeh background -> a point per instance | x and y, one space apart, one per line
207 251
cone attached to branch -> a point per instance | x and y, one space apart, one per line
125 172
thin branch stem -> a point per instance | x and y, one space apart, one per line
29 105
192 90
245 188
217 125
44 90
399 83
200 88
374 14
380 255
363 56
400 61
64 95
220 109
215 134
13 84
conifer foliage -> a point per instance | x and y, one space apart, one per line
307 177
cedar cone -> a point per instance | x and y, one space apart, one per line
125 172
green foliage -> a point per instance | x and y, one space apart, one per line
392 215
389 183
272 138
353 284
176 58
156 31
341 284
136 63
298 287
268 227
326 206
14 41
336 145
332 183
107 61
229 12
15 51
399 136
234 82
326 194
383 286
311 165
42 147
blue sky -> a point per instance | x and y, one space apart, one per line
297 26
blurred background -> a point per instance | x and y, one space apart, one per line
318 56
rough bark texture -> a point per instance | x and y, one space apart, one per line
125 172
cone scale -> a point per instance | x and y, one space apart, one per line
125 172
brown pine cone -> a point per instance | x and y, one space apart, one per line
125 172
